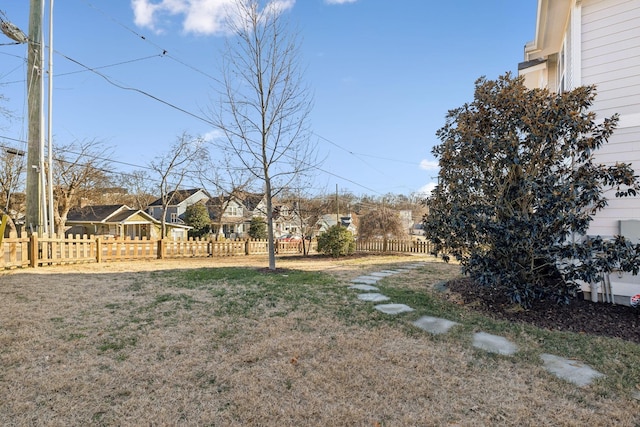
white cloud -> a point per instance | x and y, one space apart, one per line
279 6
143 12
199 16
213 135
206 16
426 190
339 1
429 165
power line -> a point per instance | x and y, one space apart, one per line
87 69
362 154
165 52
142 37
199 117
142 92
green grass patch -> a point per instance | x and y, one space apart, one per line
184 301
252 292
73 337
117 343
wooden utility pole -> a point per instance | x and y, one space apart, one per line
34 104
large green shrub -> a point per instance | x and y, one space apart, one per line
197 216
336 241
518 187
258 229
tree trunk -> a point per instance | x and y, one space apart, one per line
272 252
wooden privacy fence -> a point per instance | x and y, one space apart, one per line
37 251
381 245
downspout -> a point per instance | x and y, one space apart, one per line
607 288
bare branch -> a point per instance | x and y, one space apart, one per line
264 107
173 166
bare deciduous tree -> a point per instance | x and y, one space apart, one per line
80 170
11 180
140 188
173 166
306 210
224 182
264 106
382 222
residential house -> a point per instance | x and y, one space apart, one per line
179 201
118 221
417 231
227 216
231 215
286 221
255 204
596 42
327 221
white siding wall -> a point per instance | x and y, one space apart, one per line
611 60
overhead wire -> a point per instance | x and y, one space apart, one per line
359 202
164 53
196 116
144 38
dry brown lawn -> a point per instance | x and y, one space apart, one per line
114 344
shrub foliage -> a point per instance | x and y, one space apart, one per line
518 187
258 229
336 241
197 216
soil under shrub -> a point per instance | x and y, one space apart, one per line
579 316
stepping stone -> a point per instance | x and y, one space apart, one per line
363 287
390 272
367 280
494 344
373 297
570 370
440 286
393 308
434 325
381 274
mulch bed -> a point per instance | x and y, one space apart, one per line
579 316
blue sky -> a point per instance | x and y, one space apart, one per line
384 74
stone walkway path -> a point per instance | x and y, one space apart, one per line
570 370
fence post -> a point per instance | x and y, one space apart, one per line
161 249
33 251
246 247
99 250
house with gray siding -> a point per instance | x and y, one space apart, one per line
179 201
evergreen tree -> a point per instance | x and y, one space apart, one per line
197 216
518 187
258 229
